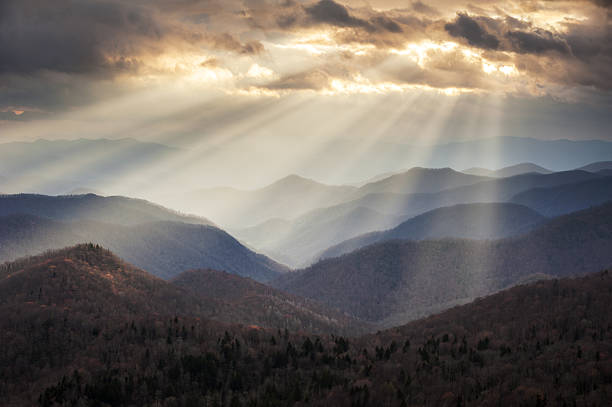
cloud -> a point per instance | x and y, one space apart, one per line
423 8
315 79
603 3
228 42
66 53
578 54
97 36
73 37
469 28
330 12
536 42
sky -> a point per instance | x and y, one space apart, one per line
228 79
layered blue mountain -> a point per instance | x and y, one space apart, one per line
151 237
394 281
300 241
470 221
510 171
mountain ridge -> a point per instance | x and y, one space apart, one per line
394 208
510 171
395 278
470 221
506 346
163 248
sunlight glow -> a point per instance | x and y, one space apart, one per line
321 42
419 52
257 71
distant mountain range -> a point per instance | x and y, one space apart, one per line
117 166
420 181
556 155
395 281
491 153
470 221
597 166
567 198
296 242
525 168
518 169
286 198
302 240
293 196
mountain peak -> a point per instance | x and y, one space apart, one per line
510 171
82 258
422 180
293 179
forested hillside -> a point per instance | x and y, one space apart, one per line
395 281
81 328
242 300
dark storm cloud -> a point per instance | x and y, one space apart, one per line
469 28
387 23
63 53
423 8
330 12
507 34
603 3
536 42
73 37
95 36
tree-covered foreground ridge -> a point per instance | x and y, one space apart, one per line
80 327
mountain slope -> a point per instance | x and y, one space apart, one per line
596 167
80 275
113 209
511 171
83 275
395 281
80 299
251 302
294 196
531 345
163 248
470 221
496 190
567 198
392 209
63 343
297 243
420 180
